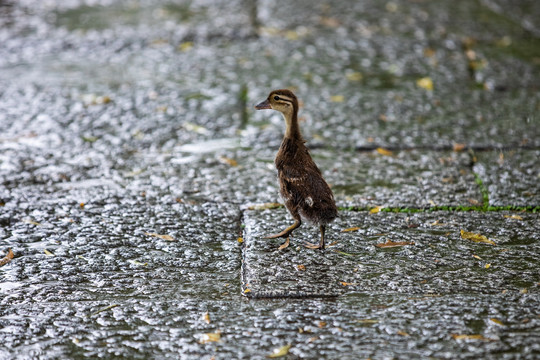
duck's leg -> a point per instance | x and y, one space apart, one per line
321 242
286 232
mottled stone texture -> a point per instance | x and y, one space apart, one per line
137 181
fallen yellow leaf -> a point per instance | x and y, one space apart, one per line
185 46
292 35
376 209
384 151
354 76
487 266
402 333
240 239
247 291
425 83
278 352
48 253
164 237
337 98
356 228
497 321
477 257
476 237
301 267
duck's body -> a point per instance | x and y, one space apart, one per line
306 194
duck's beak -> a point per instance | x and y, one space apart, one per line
264 105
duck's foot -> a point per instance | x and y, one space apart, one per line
284 245
286 232
320 246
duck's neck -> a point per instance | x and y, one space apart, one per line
292 130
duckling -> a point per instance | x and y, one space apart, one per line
306 194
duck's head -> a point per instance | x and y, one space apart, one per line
282 100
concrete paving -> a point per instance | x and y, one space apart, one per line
137 181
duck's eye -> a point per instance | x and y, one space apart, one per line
276 98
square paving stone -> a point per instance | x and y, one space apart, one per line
115 245
511 178
434 257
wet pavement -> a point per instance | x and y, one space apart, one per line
137 181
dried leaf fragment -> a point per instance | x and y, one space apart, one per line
164 237
367 321
457 147
346 283
390 243
476 237
402 333
356 228
48 253
195 128
265 206
137 263
301 267
497 321
31 222
7 258
515 217
471 337
210 337
228 161
104 309
278 352
384 151
206 317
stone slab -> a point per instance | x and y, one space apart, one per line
353 326
437 260
99 243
